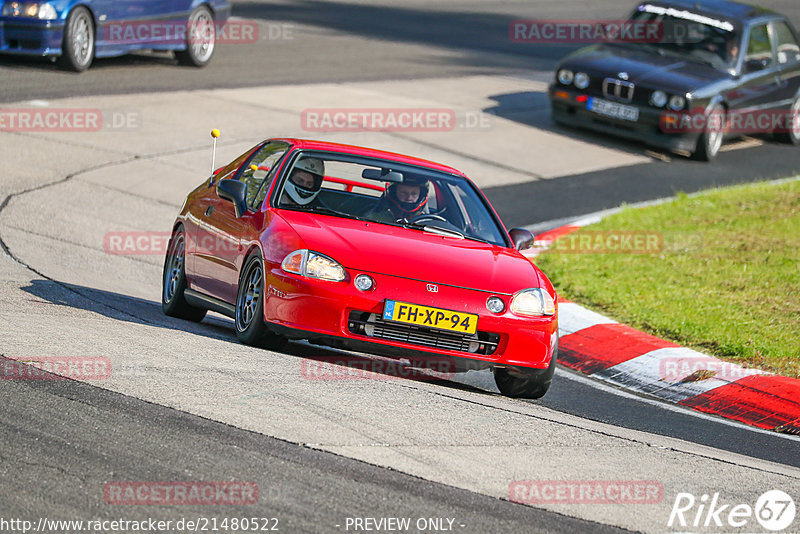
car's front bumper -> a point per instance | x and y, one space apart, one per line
31 37
336 313
648 129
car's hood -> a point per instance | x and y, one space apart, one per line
415 254
644 66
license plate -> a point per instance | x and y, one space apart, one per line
612 109
403 312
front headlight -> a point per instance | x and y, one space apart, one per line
658 99
314 265
582 80
533 302
566 76
33 10
677 102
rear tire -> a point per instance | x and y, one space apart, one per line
77 48
527 383
250 326
201 38
792 136
710 141
173 302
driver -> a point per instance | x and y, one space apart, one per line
403 201
303 186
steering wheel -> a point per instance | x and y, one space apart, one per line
429 216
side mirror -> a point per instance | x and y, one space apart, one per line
522 238
755 65
234 191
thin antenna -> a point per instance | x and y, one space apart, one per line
214 134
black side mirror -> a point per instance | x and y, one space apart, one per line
234 191
522 238
755 65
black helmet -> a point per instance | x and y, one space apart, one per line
406 209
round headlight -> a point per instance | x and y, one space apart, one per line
364 282
495 305
533 303
677 102
658 99
47 12
565 76
582 80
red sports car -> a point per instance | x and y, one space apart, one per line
365 250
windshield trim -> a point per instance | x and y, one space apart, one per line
297 152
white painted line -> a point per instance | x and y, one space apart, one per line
573 318
597 383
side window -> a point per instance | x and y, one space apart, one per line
759 46
788 50
258 168
230 170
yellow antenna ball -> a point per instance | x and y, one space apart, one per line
253 168
215 133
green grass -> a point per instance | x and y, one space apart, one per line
727 281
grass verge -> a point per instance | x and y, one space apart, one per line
724 277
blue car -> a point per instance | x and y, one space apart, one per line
77 31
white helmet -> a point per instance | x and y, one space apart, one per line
304 195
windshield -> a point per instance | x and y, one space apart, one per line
389 193
704 38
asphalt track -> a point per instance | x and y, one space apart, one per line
64 439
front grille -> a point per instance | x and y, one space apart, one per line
371 325
618 90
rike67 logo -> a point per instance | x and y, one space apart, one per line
774 511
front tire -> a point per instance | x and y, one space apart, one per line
201 38
173 302
250 326
710 141
792 135
527 383
77 48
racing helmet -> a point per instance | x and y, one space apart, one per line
405 209
302 194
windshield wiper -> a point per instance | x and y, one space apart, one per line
324 210
435 230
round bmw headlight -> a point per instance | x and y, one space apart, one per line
677 102
658 99
582 80
566 76
364 282
534 302
495 305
